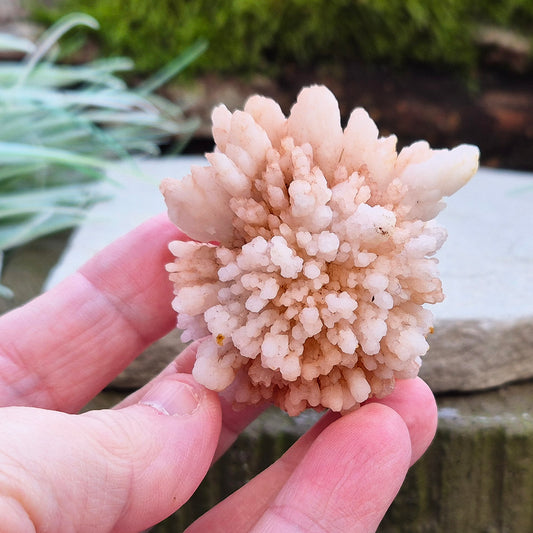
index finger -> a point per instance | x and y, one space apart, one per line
62 348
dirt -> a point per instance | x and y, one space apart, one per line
493 109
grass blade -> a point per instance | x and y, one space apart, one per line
51 36
18 44
63 125
174 67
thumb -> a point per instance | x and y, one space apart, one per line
110 470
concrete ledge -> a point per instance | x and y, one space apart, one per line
484 329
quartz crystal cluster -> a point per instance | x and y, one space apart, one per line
312 255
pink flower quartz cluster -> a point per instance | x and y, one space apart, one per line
314 253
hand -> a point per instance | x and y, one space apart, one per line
342 475
127 468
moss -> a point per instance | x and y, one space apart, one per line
238 32
248 36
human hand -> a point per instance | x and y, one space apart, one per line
341 476
127 468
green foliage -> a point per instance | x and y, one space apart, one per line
516 14
260 36
154 32
396 31
62 125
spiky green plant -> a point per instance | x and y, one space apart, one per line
61 126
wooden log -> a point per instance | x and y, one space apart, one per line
478 474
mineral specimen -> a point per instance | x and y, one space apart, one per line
313 255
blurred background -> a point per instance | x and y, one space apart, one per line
448 71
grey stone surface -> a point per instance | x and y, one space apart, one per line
487 262
477 475
135 198
484 329
468 355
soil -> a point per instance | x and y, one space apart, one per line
492 109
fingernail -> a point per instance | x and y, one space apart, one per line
172 397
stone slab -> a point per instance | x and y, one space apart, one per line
135 197
487 262
484 328
469 355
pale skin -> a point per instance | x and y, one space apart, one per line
127 468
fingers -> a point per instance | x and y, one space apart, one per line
233 422
59 350
109 470
347 479
341 477
254 498
412 400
